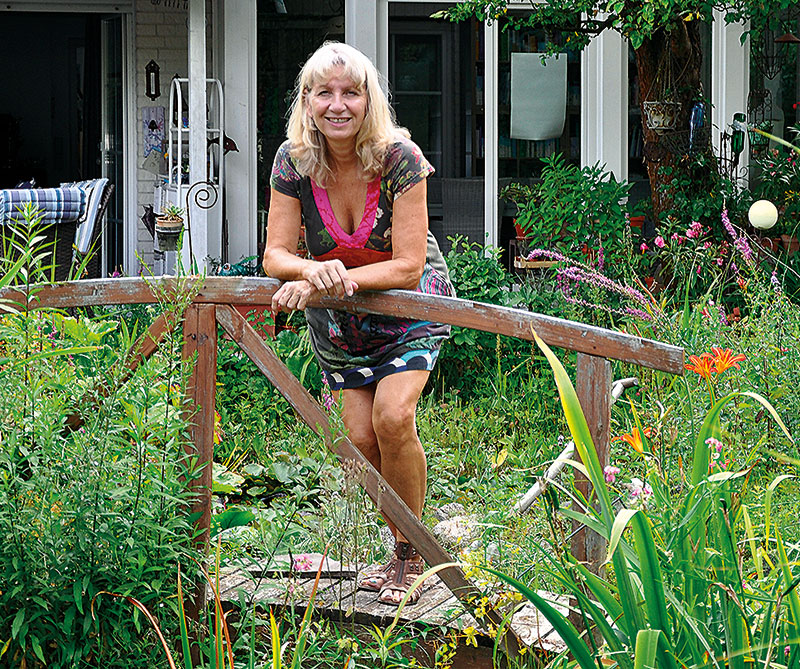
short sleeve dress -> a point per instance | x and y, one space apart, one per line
355 350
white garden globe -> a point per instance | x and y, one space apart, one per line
763 214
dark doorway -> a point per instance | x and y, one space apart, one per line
50 109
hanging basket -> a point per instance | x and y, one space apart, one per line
661 116
683 142
757 140
168 232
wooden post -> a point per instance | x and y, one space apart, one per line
593 387
200 344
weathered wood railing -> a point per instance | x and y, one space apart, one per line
212 305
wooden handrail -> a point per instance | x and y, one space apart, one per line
402 303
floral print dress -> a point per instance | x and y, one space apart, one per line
355 350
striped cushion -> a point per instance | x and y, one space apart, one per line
94 190
60 205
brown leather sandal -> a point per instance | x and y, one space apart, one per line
376 576
407 570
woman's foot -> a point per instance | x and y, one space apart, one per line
408 567
375 577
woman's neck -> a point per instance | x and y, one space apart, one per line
343 158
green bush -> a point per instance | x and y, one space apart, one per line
577 211
96 506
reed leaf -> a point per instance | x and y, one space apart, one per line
645 649
569 635
768 504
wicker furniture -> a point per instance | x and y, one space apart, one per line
72 225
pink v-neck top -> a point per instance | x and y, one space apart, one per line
371 241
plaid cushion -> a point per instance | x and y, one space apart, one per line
94 192
59 204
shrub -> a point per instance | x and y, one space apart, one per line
92 488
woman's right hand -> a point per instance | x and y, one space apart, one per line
292 295
330 277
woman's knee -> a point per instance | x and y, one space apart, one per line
363 438
394 422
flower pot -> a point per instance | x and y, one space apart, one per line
790 243
168 231
771 244
661 115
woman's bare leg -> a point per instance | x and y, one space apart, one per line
394 413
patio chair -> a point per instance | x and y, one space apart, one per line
72 216
462 210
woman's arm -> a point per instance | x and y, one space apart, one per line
304 276
409 245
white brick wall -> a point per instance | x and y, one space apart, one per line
161 34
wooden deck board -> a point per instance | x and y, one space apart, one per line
337 597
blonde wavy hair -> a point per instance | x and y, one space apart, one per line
378 131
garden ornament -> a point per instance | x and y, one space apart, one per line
740 126
762 214
696 122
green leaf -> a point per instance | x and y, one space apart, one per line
232 517
620 523
652 582
37 648
563 627
18 620
646 648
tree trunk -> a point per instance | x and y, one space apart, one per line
681 49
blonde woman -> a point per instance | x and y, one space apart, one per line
358 183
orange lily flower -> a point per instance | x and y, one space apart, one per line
703 365
634 439
723 358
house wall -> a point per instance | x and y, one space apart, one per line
161 34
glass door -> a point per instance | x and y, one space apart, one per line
112 142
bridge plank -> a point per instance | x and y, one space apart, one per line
407 304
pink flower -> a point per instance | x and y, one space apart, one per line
643 247
610 473
719 262
699 270
303 562
706 245
694 230
660 243
640 491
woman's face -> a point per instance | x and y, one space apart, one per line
337 107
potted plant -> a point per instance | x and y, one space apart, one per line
169 225
573 210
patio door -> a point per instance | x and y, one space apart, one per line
112 139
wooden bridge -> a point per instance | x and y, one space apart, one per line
211 302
